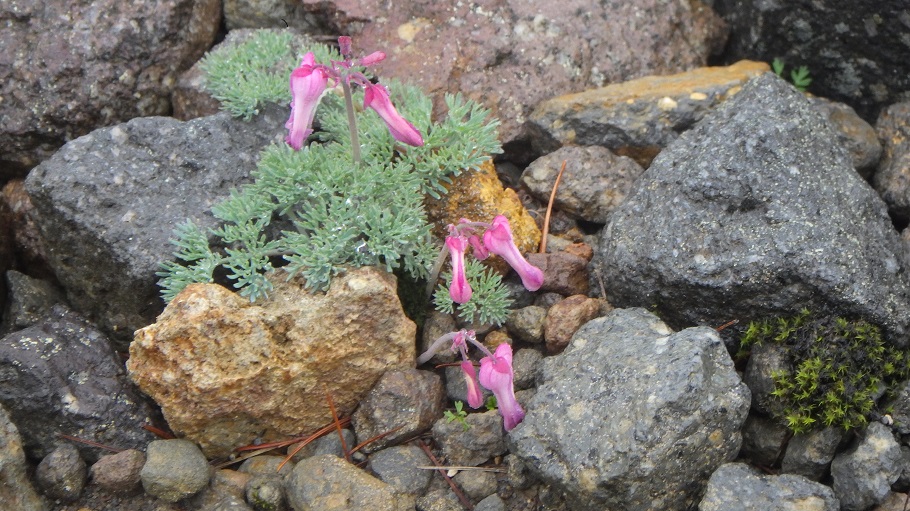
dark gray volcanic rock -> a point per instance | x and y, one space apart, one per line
756 211
107 204
856 50
68 67
61 376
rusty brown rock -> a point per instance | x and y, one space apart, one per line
564 273
479 196
26 242
119 473
512 54
582 250
892 178
565 318
639 117
226 371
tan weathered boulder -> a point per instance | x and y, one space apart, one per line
226 371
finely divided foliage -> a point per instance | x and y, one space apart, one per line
314 211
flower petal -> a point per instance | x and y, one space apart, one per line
459 290
498 240
377 98
496 374
475 395
308 82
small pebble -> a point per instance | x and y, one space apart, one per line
119 473
62 473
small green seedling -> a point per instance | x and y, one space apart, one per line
491 403
459 415
798 77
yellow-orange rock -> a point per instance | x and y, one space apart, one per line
227 372
479 196
639 117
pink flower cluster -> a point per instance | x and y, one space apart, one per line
496 374
310 80
497 239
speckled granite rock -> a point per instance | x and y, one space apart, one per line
862 476
633 415
107 204
739 486
62 377
329 483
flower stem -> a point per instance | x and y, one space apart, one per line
352 122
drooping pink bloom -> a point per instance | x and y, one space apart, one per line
373 58
498 240
308 82
475 395
377 97
496 374
460 290
480 251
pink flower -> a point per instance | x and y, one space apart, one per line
460 290
496 374
475 395
373 58
377 98
308 82
480 251
498 240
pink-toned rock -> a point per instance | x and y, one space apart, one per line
226 371
511 54
564 273
565 318
119 473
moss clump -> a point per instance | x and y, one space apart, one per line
836 369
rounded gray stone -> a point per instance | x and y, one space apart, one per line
174 469
62 473
739 486
398 466
862 476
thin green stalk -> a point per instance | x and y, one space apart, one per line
352 122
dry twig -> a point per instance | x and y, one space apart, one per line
546 218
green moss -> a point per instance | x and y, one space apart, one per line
836 369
